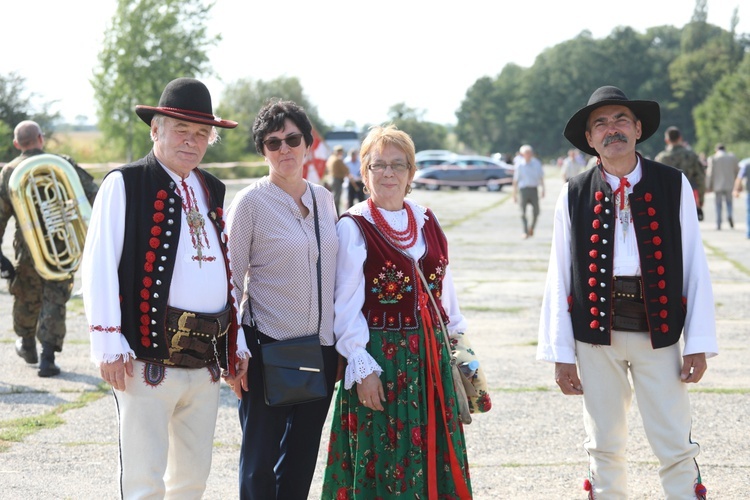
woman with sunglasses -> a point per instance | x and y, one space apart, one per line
274 258
395 427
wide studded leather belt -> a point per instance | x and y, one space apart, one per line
196 339
628 309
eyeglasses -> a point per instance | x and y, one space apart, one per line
274 143
396 167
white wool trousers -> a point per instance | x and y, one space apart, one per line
663 404
166 432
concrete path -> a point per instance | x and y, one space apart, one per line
527 447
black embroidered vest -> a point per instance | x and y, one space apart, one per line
391 279
655 207
152 232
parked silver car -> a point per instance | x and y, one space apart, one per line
472 172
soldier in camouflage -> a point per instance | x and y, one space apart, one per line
38 305
679 156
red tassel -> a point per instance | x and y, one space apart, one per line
700 490
586 485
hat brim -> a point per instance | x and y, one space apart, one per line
647 112
146 113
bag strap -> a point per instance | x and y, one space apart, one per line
318 266
434 305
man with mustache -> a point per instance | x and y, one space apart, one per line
627 275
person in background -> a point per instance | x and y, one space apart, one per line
274 246
678 155
723 168
528 179
156 289
38 304
744 173
356 188
337 173
572 165
627 274
395 425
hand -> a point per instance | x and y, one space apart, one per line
238 382
370 392
7 270
114 373
566 377
693 368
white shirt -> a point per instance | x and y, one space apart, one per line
556 342
350 325
193 288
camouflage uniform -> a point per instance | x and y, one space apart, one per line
39 305
685 159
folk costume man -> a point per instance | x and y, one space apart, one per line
627 275
156 289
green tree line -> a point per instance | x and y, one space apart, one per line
700 75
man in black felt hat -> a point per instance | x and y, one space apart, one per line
157 294
627 274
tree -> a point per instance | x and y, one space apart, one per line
16 105
426 135
241 102
149 43
723 116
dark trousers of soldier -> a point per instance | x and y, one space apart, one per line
39 305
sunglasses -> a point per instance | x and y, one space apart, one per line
274 144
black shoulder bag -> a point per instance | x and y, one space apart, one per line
293 370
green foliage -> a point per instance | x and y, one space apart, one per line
723 116
426 135
241 102
676 67
16 105
148 44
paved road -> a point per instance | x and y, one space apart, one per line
527 447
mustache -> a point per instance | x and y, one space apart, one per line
615 137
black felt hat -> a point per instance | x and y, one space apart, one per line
646 111
185 99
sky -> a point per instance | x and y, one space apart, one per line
354 59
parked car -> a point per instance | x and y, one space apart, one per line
429 157
472 172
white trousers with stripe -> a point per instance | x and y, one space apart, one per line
166 433
662 401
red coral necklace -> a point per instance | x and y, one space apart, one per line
400 239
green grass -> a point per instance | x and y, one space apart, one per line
723 255
17 429
472 215
720 390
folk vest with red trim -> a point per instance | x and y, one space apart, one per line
655 208
152 231
391 278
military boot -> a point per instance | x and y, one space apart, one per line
26 348
47 366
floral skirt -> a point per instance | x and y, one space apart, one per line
382 454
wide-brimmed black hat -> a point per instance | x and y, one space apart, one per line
185 99
646 111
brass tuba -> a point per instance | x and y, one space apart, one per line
52 212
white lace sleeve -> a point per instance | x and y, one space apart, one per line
360 365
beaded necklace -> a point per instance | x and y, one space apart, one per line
400 239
